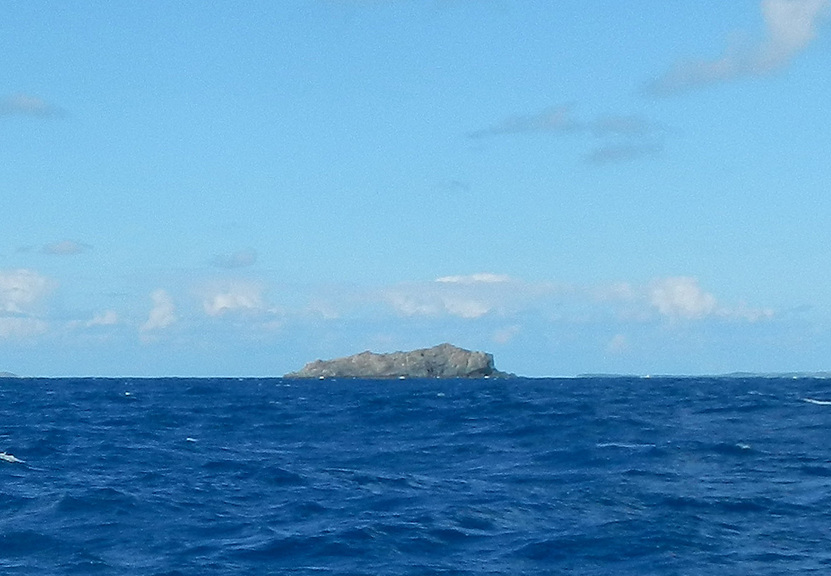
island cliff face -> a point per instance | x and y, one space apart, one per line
443 361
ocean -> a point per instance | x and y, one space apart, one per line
659 476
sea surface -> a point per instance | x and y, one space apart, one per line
666 476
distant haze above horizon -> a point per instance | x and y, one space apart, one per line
574 187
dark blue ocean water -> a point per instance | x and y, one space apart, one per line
265 476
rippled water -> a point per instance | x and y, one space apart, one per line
581 476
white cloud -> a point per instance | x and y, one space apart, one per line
505 335
791 25
21 290
239 259
21 327
412 305
412 301
681 297
26 105
162 314
618 344
483 278
235 297
65 248
463 296
465 307
106 318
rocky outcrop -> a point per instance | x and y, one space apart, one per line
443 361
8 375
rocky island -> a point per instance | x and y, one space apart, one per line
442 361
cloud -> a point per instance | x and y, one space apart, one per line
465 307
681 297
106 318
65 248
556 119
623 137
25 105
506 334
675 298
618 344
464 296
21 295
162 314
239 259
21 291
17 327
236 297
482 278
422 301
790 27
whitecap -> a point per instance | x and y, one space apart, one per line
817 402
10 458
626 445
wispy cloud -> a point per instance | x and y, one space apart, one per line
790 27
105 318
26 105
162 314
556 119
65 248
481 278
239 259
622 137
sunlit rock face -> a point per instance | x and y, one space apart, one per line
443 361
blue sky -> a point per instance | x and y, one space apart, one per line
574 186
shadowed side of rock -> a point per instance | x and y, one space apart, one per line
443 361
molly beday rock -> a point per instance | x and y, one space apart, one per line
443 361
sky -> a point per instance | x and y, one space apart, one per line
580 186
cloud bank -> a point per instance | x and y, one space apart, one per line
790 27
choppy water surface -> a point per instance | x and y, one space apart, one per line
583 476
